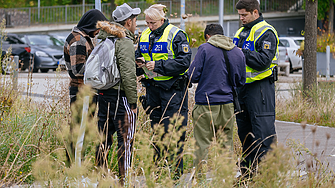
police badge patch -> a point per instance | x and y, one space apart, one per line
266 45
185 48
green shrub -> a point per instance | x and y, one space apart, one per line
195 30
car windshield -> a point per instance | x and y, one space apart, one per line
298 42
44 40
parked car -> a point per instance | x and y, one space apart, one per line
46 50
13 44
61 38
288 47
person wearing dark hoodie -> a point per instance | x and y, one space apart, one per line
214 108
165 49
258 41
117 105
78 46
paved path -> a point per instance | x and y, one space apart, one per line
326 149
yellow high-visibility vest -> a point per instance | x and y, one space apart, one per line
161 49
256 32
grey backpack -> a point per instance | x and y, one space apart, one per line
101 71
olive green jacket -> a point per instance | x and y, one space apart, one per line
125 56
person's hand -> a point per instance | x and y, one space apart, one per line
134 110
150 65
239 48
140 62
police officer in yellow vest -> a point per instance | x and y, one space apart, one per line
165 49
258 40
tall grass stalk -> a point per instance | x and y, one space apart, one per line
317 111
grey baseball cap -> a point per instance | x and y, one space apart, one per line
124 11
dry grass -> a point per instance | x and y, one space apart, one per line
35 136
298 109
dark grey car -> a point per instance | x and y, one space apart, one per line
46 49
13 44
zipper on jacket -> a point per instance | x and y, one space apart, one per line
263 100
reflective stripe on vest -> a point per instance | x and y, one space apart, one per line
161 49
256 32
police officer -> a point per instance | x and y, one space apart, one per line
258 40
165 49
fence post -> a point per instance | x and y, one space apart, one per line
29 17
65 14
328 62
16 68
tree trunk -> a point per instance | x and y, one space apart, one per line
112 9
309 80
331 17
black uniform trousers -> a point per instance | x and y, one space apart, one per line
123 125
256 124
163 104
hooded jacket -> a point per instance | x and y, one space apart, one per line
78 46
209 70
125 57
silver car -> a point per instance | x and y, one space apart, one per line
288 47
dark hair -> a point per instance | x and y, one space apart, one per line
248 5
124 21
213 29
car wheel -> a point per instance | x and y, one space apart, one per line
6 68
44 70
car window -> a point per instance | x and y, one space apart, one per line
281 44
44 40
10 39
298 42
23 39
285 43
13 40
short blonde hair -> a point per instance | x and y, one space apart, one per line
156 11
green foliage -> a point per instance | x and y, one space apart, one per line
33 3
324 40
195 31
323 9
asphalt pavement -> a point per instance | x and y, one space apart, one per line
321 142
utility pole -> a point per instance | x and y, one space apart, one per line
39 7
98 4
182 12
84 7
221 6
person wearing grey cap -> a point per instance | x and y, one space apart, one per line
117 105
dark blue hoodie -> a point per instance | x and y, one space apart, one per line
209 70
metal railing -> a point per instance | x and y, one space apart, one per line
72 13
